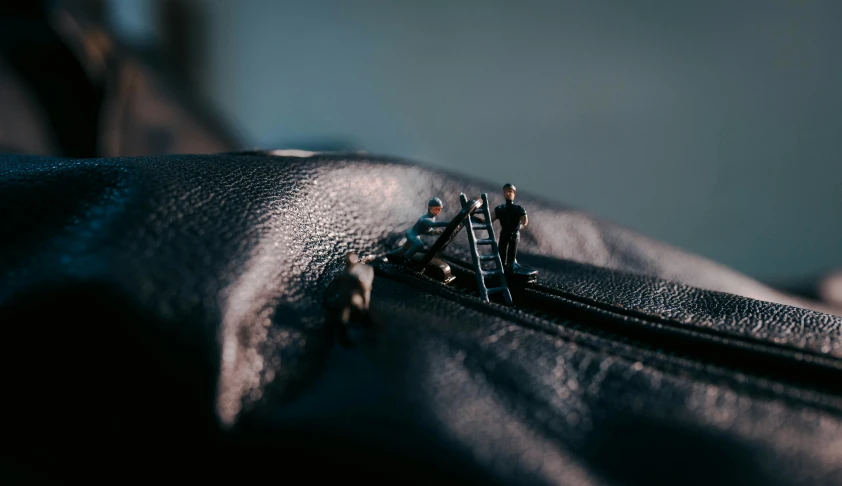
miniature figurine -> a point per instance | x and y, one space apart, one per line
348 295
426 225
512 219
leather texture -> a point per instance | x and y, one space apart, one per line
165 314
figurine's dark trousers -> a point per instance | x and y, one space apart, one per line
415 245
508 247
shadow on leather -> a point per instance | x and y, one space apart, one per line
96 383
637 450
40 205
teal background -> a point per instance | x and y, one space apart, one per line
715 126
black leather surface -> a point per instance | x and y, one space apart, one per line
175 301
692 307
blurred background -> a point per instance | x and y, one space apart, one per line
714 126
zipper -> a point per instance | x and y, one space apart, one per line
776 370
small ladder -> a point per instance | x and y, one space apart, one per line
494 256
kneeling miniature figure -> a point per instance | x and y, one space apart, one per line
426 225
410 253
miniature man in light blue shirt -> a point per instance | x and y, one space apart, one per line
426 225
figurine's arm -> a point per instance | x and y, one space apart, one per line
434 227
523 221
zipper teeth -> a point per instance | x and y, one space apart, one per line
825 392
538 291
697 332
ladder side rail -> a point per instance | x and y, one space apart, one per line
491 235
488 228
498 261
472 243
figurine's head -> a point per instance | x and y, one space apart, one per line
351 258
434 206
509 191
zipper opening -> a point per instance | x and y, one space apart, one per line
776 369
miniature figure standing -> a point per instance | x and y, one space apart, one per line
512 219
349 294
426 225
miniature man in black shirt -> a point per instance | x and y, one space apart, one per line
512 219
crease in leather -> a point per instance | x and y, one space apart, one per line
514 392
566 325
238 248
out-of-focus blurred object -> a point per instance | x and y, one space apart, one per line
712 126
69 88
830 288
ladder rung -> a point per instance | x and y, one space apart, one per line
479 227
495 289
485 241
487 258
488 273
